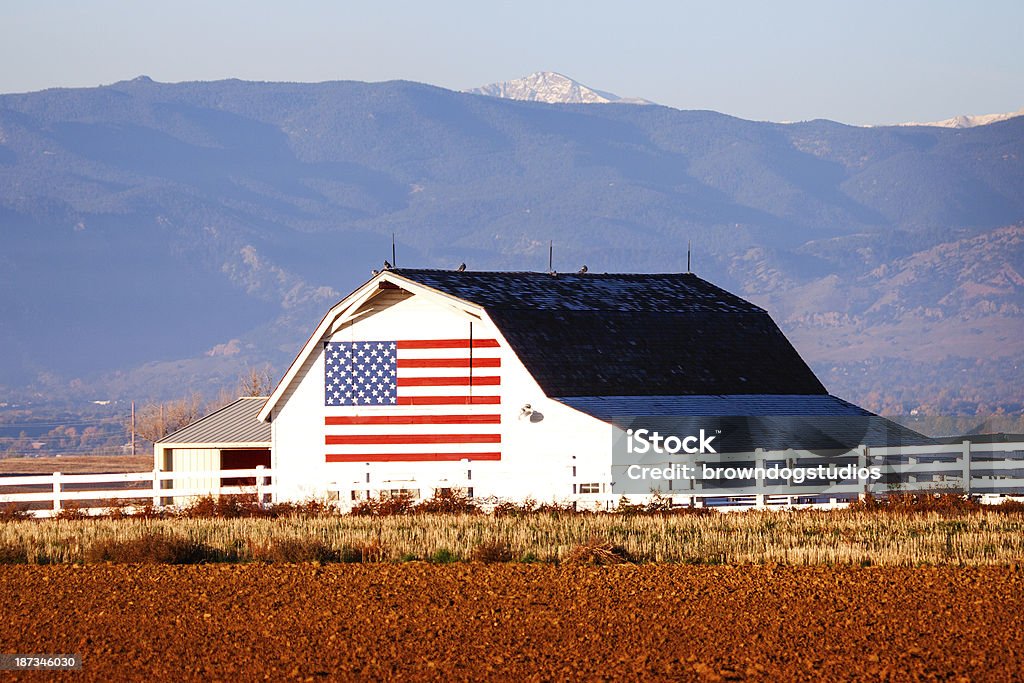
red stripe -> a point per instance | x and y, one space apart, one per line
448 400
414 420
377 439
447 344
448 362
448 381
408 457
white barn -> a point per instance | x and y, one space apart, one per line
503 384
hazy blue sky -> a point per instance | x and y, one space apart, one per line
861 61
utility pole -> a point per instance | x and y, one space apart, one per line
133 427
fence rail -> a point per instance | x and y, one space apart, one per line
155 488
986 470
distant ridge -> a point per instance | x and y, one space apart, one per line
969 120
179 233
553 88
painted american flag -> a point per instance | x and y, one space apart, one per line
412 400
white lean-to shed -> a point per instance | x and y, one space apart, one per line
231 438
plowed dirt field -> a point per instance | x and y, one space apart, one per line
521 622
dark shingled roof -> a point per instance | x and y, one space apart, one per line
779 422
632 334
609 408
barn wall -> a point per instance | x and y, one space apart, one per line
538 453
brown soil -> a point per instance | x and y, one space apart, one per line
520 622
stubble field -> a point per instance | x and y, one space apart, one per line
473 621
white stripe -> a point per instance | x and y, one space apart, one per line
414 448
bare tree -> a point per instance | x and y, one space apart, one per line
156 420
252 382
256 381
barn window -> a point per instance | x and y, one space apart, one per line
590 487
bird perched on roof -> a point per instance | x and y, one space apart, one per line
461 268
584 269
375 272
387 265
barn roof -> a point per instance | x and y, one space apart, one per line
611 407
815 421
235 423
631 334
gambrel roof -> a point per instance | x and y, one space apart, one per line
608 334
632 334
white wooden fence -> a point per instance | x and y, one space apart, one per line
989 471
97 492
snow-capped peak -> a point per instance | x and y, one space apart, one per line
553 88
969 120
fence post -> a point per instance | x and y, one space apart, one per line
56 491
156 488
862 464
759 477
967 468
259 485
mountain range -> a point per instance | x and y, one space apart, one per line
970 120
159 238
553 88
556 88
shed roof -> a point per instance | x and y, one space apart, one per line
631 334
235 423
